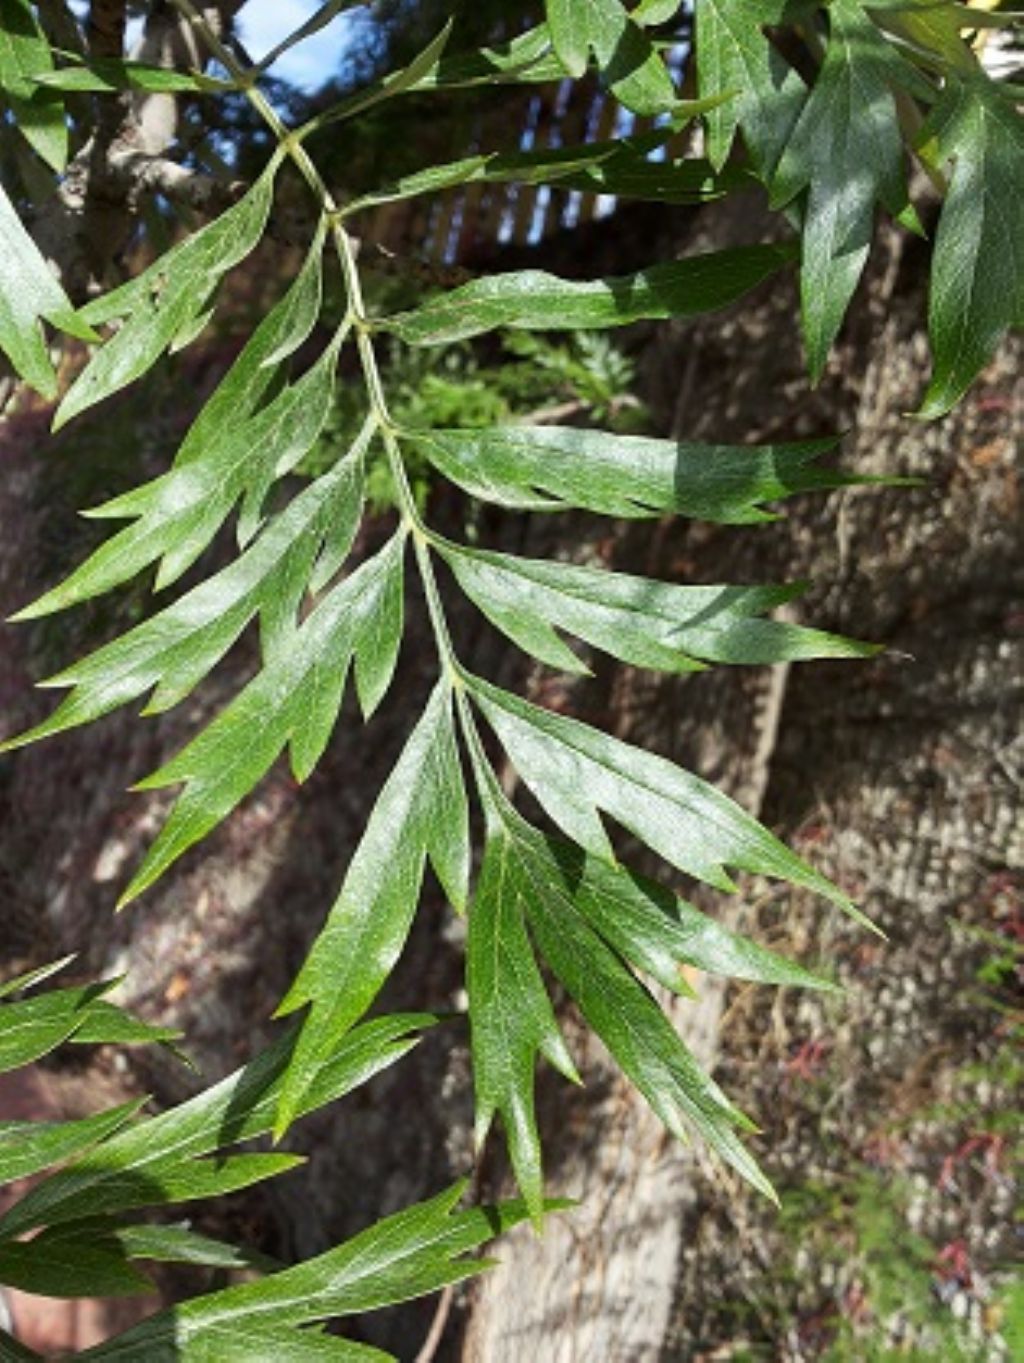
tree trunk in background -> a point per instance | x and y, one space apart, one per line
899 777
896 776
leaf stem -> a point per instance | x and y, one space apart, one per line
290 143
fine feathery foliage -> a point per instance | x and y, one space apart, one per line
96 1175
825 108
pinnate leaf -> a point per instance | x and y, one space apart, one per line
24 53
757 88
157 305
510 1014
549 468
536 301
161 1159
650 624
628 59
575 772
846 149
542 887
414 1252
174 649
294 701
977 285
30 294
421 812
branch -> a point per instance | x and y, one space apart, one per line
133 174
104 29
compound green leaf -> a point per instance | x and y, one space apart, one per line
407 1255
173 650
977 284
30 1028
613 1001
294 701
421 812
108 75
510 1015
628 60
846 149
63 1270
575 772
28 1147
659 933
650 624
551 468
760 91
158 305
536 301
29 293
31 978
175 516
24 54
162 1158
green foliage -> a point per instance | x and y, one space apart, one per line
827 131
99 1168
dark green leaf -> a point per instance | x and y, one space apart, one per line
157 305
510 1014
180 1245
106 1024
420 813
33 1027
550 468
735 59
846 149
29 292
628 59
24 52
977 286
173 650
232 450
107 75
27 1147
407 1255
136 1166
61 1270
575 772
658 933
626 1017
649 624
221 1345
294 701
536 301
